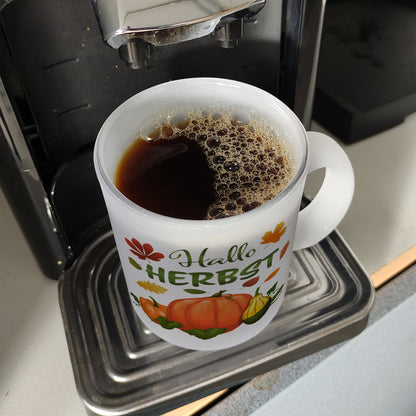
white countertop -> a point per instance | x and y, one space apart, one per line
381 222
363 377
35 372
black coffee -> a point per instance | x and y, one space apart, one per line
209 166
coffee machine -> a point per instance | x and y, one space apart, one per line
66 65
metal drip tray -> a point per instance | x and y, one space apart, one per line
121 368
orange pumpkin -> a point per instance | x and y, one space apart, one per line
209 312
152 309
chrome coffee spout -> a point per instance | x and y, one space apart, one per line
228 35
136 27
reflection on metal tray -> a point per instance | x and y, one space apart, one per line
122 368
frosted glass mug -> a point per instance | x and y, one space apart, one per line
213 284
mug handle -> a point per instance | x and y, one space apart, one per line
331 203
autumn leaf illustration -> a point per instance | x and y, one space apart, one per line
284 249
151 287
134 264
144 251
272 275
251 282
274 237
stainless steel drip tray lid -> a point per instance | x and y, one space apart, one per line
121 368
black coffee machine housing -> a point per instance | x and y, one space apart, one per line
62 75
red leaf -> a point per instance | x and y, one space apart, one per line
144 251
147 249
139 247
139 255
156 256
130 243
251 282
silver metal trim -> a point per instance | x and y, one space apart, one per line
40 211
308 59
158 25
14 136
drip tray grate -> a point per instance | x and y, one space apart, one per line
121 368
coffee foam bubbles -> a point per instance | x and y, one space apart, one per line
252 163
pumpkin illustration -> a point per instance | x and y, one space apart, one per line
218 311
153 309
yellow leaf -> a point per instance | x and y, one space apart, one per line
151 287
274 237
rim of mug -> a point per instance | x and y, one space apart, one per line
109 184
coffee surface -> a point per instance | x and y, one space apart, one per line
205 167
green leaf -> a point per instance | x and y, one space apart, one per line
272 289
218 294
276 295
165 323
206 333
194 291
134 264
136 299
155 304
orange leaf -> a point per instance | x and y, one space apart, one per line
284 249
274 237
272 274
